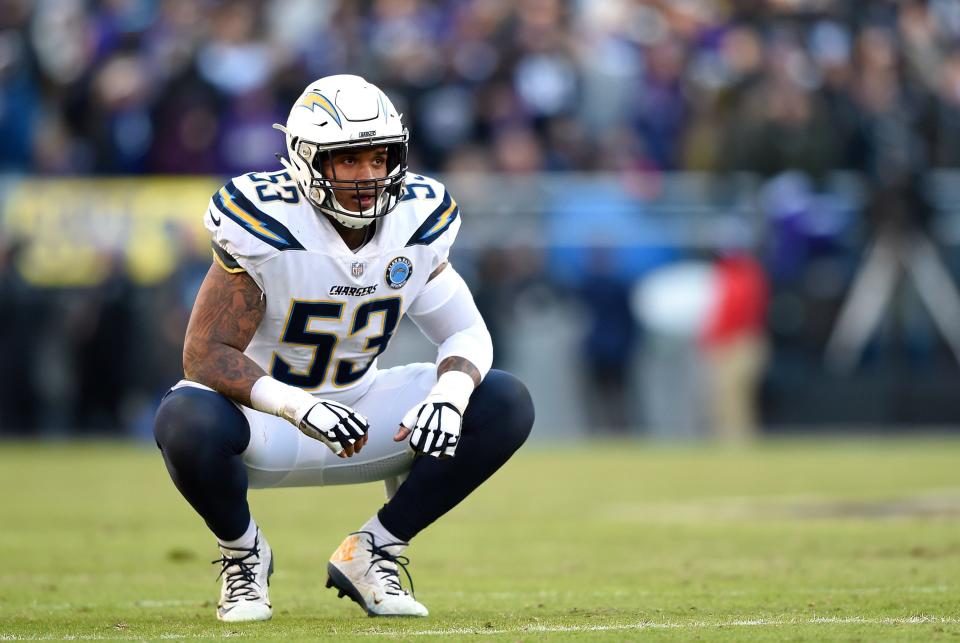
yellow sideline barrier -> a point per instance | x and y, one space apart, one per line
75 228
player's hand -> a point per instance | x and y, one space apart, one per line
336 425
433 427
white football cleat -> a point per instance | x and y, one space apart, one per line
246 577
369 574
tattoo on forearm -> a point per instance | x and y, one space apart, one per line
227 313
461 364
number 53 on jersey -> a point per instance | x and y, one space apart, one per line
377 319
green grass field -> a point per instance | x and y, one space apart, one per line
849 540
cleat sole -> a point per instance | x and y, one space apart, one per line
345 587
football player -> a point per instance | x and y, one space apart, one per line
314 266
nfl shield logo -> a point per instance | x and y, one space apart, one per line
356 269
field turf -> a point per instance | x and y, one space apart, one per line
799 540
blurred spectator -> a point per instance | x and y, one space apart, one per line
18 91
781 124
18 397
492 292
607 348
735 344
706 346
944 123
671 303
169 312
105 358
122 132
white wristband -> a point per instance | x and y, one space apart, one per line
276 398
454 386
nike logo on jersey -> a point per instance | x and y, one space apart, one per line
216 220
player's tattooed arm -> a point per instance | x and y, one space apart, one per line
227 313
461 364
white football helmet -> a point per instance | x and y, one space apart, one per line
335 113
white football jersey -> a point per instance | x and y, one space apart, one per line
330 312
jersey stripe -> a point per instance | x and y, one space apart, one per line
232 203
435 224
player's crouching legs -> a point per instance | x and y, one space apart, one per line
201 435
497 422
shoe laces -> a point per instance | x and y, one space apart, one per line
388 566
241 572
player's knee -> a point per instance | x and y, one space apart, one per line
507 402
193 421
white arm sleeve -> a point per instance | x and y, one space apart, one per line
447 315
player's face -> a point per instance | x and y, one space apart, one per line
347 166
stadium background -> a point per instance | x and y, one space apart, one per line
666 204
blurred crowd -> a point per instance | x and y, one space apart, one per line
93 360
177 86
789 90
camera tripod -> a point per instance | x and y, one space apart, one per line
895 250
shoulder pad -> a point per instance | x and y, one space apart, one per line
231 202
439 210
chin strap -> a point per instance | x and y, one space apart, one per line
355 222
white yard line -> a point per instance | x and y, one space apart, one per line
546 629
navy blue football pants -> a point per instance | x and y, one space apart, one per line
202 436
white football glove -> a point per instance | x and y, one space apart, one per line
435 423
336 425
